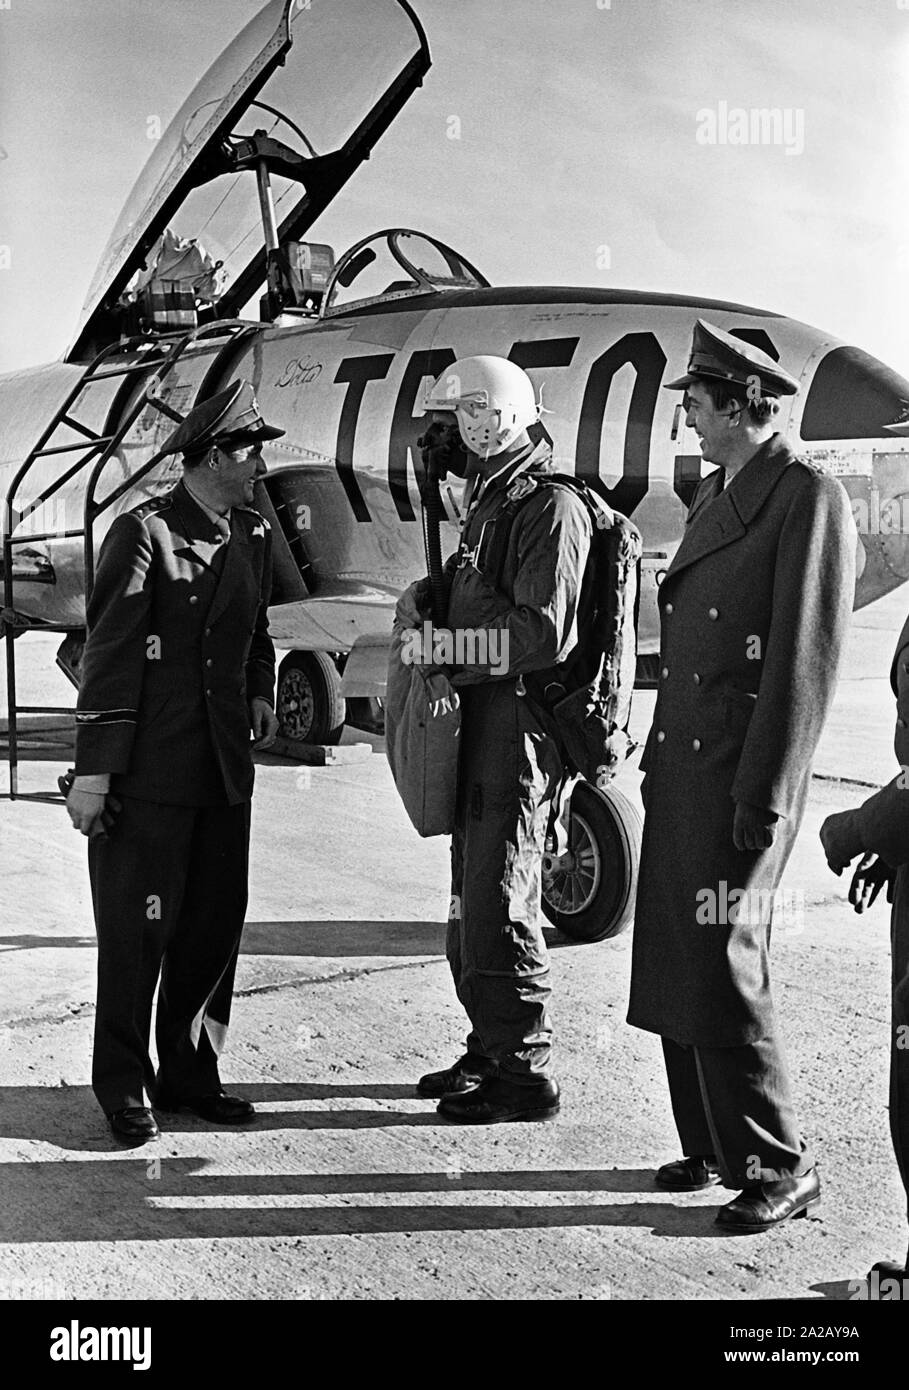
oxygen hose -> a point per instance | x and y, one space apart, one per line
431 498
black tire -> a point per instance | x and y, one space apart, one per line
310 707
591 897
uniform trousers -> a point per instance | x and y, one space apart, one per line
169 887
508 773
736 1103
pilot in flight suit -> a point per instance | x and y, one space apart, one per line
509 769
754 611
178 669
878 831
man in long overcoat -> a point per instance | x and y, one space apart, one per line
754 612
178 673
878 831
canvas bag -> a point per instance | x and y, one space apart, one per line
422 730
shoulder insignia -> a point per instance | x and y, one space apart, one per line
152 506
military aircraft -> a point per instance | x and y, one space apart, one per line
340 353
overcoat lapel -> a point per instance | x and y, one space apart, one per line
720 517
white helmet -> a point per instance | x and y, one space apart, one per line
492 400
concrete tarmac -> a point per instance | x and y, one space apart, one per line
349 1186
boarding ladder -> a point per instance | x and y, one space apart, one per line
157 356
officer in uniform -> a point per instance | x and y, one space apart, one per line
178 671
754 612
878 832
509 769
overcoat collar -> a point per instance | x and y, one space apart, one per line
718 517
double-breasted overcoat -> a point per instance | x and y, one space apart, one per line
754 612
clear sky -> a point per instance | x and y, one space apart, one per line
579 124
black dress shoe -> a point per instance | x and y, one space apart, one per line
135 1124
689 1174
217 1107
496 1100
766 1204
888 1269
466 1074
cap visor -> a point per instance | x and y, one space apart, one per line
680 383
250 436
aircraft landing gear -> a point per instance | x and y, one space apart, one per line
588 893
310 707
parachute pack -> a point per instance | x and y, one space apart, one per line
584 703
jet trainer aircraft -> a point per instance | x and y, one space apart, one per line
340 355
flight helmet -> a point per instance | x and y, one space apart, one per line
491 398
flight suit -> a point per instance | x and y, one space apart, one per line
177 646
881 826
509 769
754 612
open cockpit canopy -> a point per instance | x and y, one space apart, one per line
279 122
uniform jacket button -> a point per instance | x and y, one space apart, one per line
660 736
713 613
696 678
696 745
208 691
665 672
194 598
208 661
667 608
208 632
901 723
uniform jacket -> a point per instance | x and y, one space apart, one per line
177 645
754 612
535 601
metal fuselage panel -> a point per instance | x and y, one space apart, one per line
348 390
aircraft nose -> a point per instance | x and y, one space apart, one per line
861 407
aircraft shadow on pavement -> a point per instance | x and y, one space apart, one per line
344 938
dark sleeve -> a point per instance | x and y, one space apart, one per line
113 665
813 592
540 624
881 824
260 663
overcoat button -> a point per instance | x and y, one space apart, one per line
665 672
697 679
667 608
713 613
660 736
696 745
194 598
208 632
208 662
208 692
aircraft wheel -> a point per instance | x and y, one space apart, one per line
310 707
588 893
